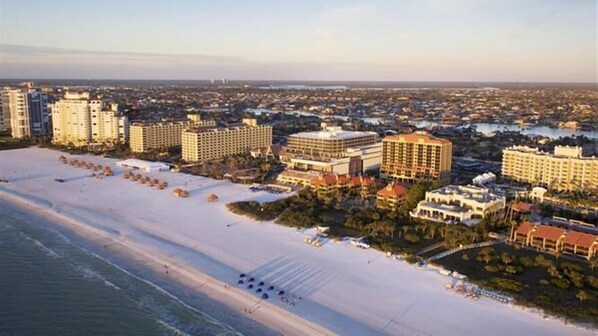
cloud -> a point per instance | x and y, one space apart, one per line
14 54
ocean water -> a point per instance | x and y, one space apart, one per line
51 286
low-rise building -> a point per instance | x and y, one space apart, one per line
326 184
297 177
391 196
546 237
522 234
581 244
272 151
556 239
459 204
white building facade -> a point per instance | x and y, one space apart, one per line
459 204
79 120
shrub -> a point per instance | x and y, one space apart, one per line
412 238
560 283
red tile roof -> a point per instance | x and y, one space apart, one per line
353 181
393 190
548 232
357 181
326 179
522 207
580 239
525 228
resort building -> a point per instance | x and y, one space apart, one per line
24 112
459 204
81 120
145 136
565 169
522 234
333 150
272 151
391 196
297 177
556 239
202 144
326 184
330 142
416 156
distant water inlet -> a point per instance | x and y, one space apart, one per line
485 128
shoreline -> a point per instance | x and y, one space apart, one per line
267 315
344 290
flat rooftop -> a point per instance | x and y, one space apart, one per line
333 133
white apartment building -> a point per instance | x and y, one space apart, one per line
564 169
459 204
80 120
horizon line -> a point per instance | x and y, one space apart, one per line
296 80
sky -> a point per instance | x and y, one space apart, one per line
375 40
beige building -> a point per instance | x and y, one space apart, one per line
81 120
330 142
416 156
201 144
564 169
333 150
144 136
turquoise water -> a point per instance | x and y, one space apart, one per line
50 286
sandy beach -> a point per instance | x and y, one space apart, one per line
342 289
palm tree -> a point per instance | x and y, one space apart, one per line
581 295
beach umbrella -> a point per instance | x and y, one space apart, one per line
242 275
265 296
259 290
250 286
240 282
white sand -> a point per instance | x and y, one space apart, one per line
342 293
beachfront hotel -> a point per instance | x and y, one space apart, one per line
209 143
564 169
333 150
416 156
459 204
24 111
145 136
81 120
